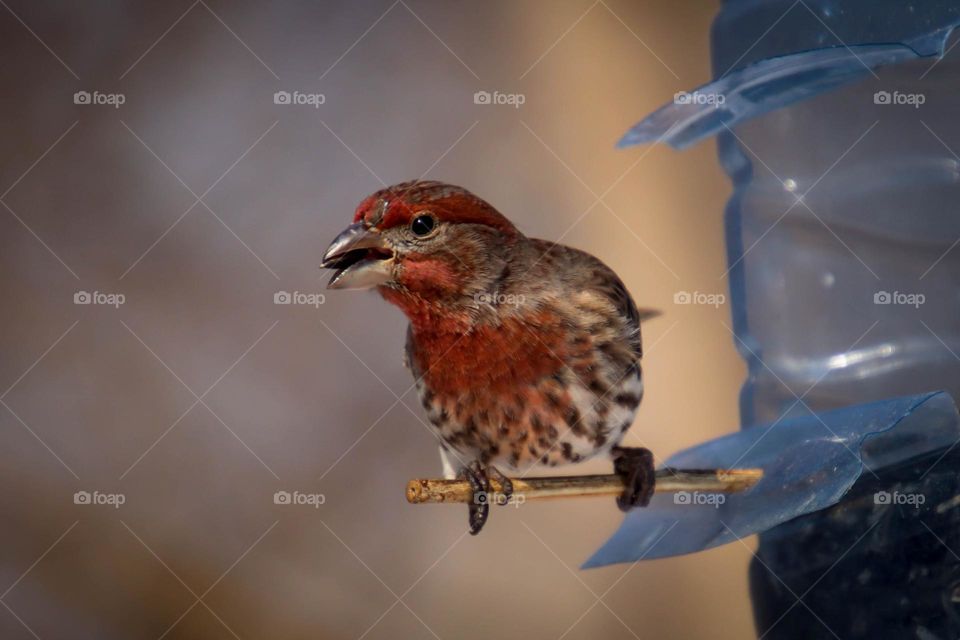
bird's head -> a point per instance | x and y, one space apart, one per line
430 248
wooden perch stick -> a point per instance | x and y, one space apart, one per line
706 480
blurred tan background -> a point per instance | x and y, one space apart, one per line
198 398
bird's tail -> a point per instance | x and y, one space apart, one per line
648 314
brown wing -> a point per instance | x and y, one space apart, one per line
588 272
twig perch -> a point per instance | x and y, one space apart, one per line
434 490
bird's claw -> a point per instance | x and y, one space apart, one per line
479 478
480 486
635 467
506 485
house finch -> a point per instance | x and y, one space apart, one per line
526 353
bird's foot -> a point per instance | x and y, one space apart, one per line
479 506
479 478
506 486
635 467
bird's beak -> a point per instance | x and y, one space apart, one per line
361 258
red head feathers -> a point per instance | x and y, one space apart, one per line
398 204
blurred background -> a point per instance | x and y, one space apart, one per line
158 193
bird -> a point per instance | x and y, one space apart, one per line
525 353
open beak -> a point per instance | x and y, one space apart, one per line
360 257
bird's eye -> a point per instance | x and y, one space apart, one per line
423 225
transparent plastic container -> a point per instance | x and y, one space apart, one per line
845 281
837 122
842 235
